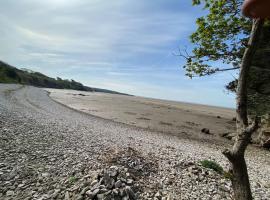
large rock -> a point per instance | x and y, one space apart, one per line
205 130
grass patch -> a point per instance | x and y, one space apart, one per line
212 165
72 179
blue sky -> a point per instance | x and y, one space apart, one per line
121 45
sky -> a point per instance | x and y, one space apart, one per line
127 46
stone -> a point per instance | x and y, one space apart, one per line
2 165
130 193
84 190
93 183
129 182
118 184
96 185
205 130
110 184
55 193
115 191
96 191
67 196
20 185
79 197
103 190
122 192
10 193
45 175
113 171
158 195
90 194
100 196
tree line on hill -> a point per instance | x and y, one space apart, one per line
10 74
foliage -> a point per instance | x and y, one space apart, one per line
212 165
221 35
220 39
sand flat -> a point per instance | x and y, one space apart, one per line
183 119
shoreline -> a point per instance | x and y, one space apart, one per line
165 116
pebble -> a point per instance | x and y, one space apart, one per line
50 151
9 193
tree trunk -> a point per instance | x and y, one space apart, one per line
240 179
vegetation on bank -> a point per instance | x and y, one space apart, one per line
210 164
10 74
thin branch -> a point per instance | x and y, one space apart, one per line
226 69
186 55
207 73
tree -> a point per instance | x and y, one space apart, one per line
222 35
225 35
240 179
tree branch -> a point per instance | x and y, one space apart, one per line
253 127
227 153
227 69
245 68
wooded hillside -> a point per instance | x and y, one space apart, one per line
10 74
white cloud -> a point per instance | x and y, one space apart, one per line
100 29
122 45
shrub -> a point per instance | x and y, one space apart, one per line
212 165
72 179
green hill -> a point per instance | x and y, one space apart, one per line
10 74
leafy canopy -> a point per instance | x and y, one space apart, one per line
221 35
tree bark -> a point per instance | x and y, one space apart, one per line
240 179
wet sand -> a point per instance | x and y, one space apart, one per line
183 119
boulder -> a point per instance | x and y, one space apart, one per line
205 130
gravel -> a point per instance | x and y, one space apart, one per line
48 151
